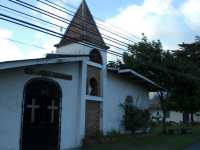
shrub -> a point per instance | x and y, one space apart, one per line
134 118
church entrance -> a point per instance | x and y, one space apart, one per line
41 116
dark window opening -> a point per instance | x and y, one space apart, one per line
95 56
93 87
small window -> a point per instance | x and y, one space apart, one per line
93 81
93 87
95 56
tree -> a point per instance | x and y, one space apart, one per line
186 92
146 57
190 51
177 71
134 118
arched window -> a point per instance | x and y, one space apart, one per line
93 81
95 56
93 88
129 100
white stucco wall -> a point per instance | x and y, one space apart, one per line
12 86
117 89
174 116
197 117
79 49
74 49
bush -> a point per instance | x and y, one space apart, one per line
113 133
134 118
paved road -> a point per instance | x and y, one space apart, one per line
194 147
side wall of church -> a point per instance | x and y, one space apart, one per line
11 87
117 89
11 99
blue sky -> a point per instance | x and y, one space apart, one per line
171 21
108 8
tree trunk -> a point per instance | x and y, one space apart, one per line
185 118
163 107
192 118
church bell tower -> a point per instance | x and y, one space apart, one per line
82 37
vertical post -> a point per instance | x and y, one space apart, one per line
104 90
163 107
81 121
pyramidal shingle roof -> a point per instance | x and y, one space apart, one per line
83 29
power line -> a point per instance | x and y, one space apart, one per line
68 4
50 32
113 40
119 55
24 43
100 20
55 34
55 6
25 14
54 16
49 14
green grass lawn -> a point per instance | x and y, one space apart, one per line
156 141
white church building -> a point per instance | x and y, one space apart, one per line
53 103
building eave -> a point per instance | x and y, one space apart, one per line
39 61
138 78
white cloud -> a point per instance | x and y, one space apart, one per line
57 16
53 11
191 11
8 50
142 18
48 46
158 19
39 35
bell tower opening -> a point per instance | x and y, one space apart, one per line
95 56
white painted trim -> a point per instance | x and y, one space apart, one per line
101 117
137 74
91 46
94 98
82 100
103 92
31 62
90 63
